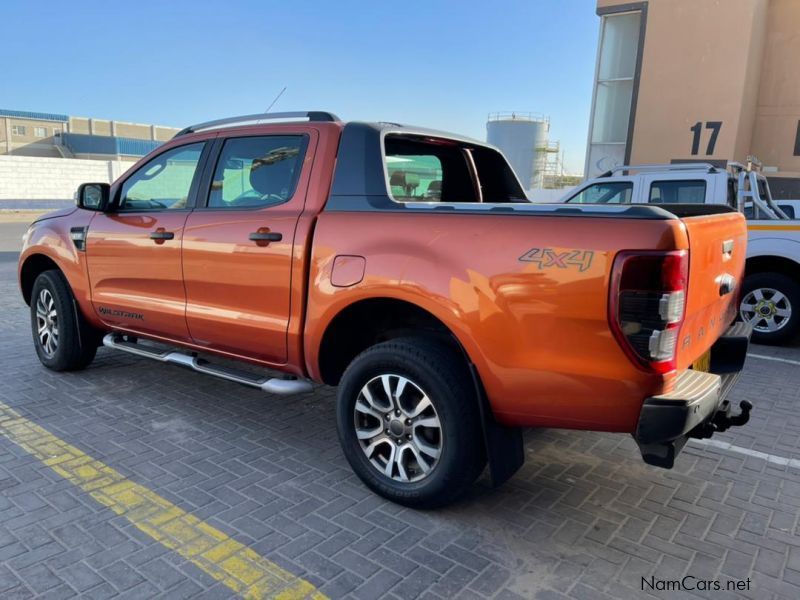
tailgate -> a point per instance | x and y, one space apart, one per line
717 248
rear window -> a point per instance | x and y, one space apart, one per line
678 191
424 169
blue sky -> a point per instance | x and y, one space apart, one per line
436 64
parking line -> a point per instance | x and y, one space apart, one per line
774 358
772 458
238 567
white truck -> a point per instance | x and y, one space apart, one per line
771 290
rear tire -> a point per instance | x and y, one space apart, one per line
771 301
62 338
416 436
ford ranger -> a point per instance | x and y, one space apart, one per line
406 267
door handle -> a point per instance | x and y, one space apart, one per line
159 235
266 236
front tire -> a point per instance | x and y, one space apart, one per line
771 302
409 422
63 340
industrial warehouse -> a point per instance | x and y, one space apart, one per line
505 308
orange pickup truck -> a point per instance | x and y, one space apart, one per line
406 267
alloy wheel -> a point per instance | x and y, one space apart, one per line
398 428
768 309
47 322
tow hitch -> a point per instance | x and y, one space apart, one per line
722 420
696 407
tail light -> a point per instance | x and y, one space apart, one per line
647 304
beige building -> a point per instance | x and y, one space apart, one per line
24 133
703 80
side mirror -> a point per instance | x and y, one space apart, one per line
93 196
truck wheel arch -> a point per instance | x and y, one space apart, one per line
774 264
33 266
367 322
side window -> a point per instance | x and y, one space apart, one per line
678 192
163 183
257 171
612 192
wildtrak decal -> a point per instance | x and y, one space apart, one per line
125 314
547 258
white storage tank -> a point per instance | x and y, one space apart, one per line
523 138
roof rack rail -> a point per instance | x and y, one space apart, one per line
311 115
698 166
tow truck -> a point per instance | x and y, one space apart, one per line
770 298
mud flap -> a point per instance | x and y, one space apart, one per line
505 451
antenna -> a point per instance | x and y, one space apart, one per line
276 99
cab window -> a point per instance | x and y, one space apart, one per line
678 192
609 192
164 183
254 172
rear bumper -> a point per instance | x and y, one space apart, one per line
697 406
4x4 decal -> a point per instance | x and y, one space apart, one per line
548 257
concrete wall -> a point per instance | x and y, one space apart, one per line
79 125
754 41
778 110
700 63
30 178
728 61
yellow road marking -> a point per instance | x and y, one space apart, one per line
226 560
774 227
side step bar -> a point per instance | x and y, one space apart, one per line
270 385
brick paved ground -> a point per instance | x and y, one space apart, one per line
583 519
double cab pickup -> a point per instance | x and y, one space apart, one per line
406 267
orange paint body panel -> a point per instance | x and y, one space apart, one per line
708 314
128 269
238 292
51 239
539 338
